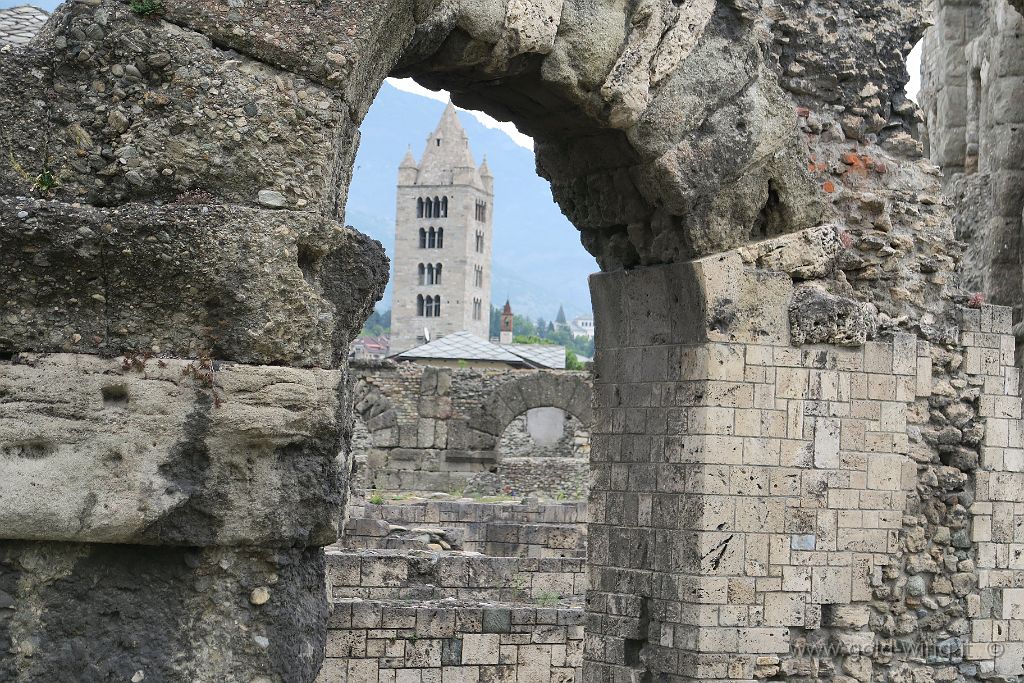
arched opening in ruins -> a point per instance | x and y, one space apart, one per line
779 351
543 453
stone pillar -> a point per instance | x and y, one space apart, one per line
745 490
176 302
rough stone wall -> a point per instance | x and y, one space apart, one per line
516 440
536 529
383 575
451 617
382 642
804 511
557 479
175 297
972 77
672 133
433 428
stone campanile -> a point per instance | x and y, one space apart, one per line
442 240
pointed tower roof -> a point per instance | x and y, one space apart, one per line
485 170
447 150
408 161
508 308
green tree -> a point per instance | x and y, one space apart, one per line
572 362
495 324
378 324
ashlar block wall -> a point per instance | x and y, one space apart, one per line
750 497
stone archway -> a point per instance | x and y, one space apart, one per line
677 136
569 392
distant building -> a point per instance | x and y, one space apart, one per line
369 348
506 334
582 327
560 322
443 231
464 349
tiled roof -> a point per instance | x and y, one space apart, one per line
467 346
18 25
462 346
542 355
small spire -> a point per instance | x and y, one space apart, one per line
485 170
409 161
508 308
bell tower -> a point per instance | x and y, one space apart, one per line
443 229
507 321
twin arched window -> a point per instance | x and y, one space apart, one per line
428 306
432 238
436 207
430 274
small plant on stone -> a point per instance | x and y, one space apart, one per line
42 182
202 372
545 598
46 181
135 361
377 499
146 7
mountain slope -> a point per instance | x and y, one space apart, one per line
539 262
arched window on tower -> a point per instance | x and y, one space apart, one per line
437 207
430 273
440 238
444 207
437 306
422 274
419 207
419 305
432 238
423 238
437 274
429 209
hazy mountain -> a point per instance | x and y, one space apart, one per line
538 260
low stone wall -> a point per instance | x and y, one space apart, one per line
403 642
499 530
516 441
451 617
546 477
417 575
432 429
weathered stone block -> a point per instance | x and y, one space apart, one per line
114 281
167 452
74 605
147 109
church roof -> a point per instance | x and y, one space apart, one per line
540 355
469 347
447 150
462 346
18 25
